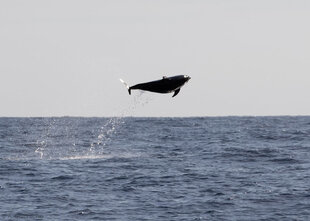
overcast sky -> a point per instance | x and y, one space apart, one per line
65 57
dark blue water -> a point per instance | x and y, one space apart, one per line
229 168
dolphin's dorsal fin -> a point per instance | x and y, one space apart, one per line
176 92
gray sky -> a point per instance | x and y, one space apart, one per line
65 57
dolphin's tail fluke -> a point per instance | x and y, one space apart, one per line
127 86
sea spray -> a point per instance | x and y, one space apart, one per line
106 132
59 138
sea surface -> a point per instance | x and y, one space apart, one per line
209 168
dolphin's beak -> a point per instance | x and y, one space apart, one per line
187 77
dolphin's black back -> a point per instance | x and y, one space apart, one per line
164 85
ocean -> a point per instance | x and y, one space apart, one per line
126 168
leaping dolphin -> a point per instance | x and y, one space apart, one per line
165 85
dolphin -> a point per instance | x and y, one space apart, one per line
165 85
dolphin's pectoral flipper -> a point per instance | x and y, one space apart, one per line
129 91
176 92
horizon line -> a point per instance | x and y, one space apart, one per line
130 116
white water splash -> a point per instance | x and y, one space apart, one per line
105 135
42 143
103 156
59 139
